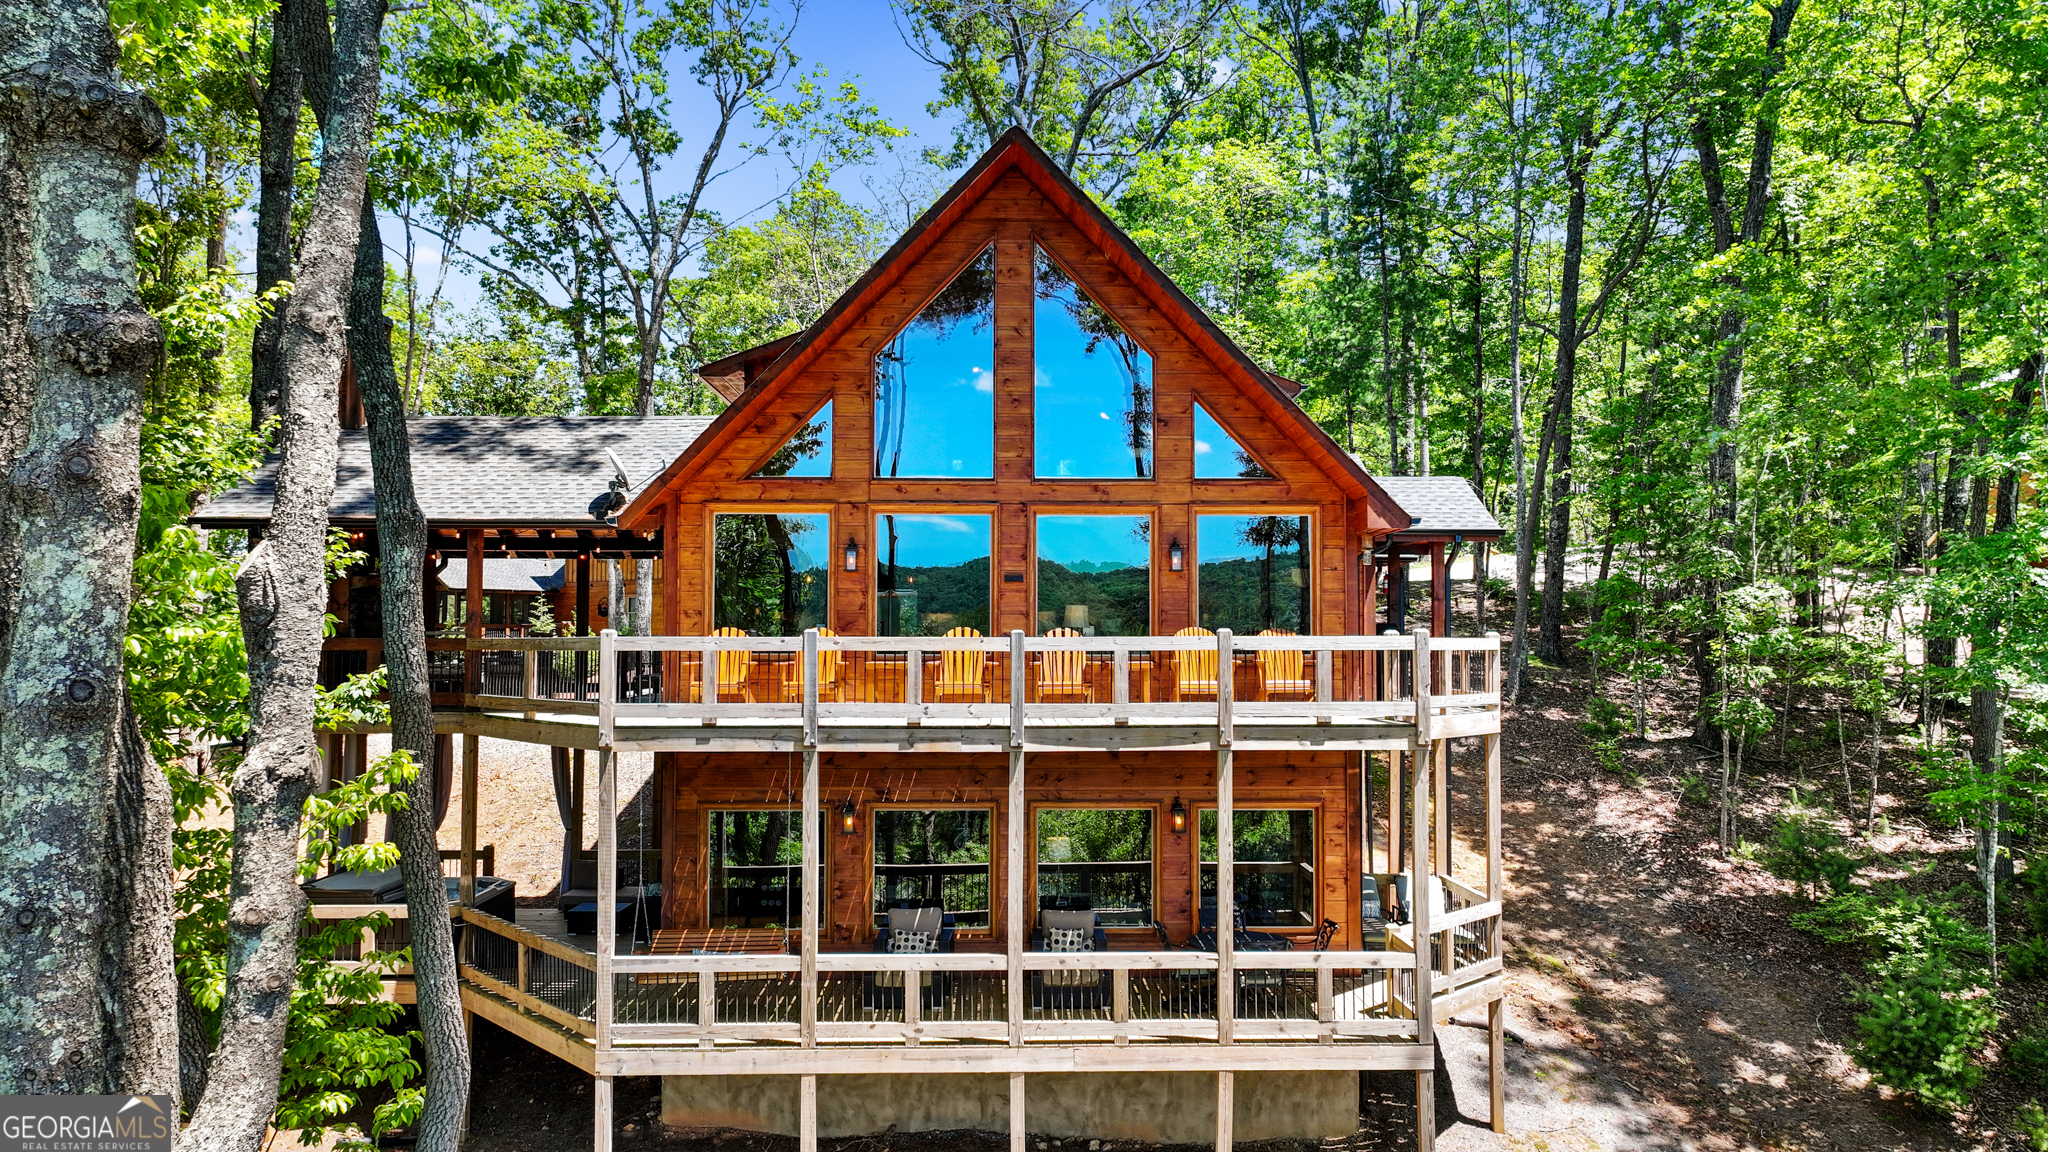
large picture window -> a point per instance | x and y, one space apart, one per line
1095 574
936 858
935 408
807 452
754 868
1092 384
768 572
1275 872
931 574
1099 858
1253 573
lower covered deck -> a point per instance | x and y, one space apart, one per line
1356 977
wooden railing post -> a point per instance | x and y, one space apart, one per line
607 889
1421 878
810 675
812 802
1226 852
1013 876
466 886
607 686
529 677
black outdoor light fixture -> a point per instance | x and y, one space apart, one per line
1174 555
846 814
852 554
1180 816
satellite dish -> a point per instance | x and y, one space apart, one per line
614 500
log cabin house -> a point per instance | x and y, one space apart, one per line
1015 639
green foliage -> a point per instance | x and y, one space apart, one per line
1891 923
1922 1026
1806 849
2026 960
2033 1123
1604 718
2029 1049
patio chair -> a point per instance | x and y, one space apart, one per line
1069 931
960 676
1281 671
1194 673
735 673
912 930
1372 919
1063 676
830 660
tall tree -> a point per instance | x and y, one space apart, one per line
85 869
282 592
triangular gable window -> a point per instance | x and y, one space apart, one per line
935 405
1092 383
807 452
1218 455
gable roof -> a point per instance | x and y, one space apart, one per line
1015 151
507 574
485 471
1440 505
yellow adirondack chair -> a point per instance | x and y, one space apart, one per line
960 673
829 663
1281 672
1063 676
735 670
1194 673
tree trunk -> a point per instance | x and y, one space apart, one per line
85 865
1550 627
277 112
402 545
282 591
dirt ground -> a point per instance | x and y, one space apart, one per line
1658 998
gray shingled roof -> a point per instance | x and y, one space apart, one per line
507 575
488 470
1440 504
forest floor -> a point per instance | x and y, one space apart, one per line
1658 996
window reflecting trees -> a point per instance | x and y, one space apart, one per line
807 452
936 858
1275 865
1099 858
1092 384
1253 573
1095 574
934 384
931 574
1218 455
768 572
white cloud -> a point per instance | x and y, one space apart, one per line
1202 446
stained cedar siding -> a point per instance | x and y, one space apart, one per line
1322 781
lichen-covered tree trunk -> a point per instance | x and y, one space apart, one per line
402 545
85 862
282 593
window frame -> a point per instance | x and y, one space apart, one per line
1313 548
1038 244
874 549
1254 804
1152 566
1156 808
995 856
708 558
824 855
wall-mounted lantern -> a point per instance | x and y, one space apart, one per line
1175 557
846 815
852 554
1179 815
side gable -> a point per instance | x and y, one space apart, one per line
773 386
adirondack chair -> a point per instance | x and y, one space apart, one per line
1282 675
1194 673
1063 676
960 673
830 660
735 672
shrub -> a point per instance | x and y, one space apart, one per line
2029 1049
2033 1124
1694 789
1893 923
1604 718
2027 960
1921 1027
1808 851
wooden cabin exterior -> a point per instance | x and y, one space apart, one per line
1013 399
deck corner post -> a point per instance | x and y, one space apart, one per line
607 894
1425 1110
1226 676
1017 680
1226 1109
813 805
1013 906
602 1123
807 1114
810 675
1496 1064
607 686
1017 1129
467 889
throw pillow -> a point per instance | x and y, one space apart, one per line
906 941
1068 940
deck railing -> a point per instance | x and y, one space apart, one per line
1066 997
1023 681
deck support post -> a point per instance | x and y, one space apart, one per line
473 609
1439 590
607 896
1226 865
1017 1129
1421 881
601 1128
467 889
1496 1012
1013 880
1226 1109
1440 751
807 1113
808 935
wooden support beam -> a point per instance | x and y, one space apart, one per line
1226 1108
1013 902
808 1009
1017 1129
469 803
602 1127
473 608
1439 590
607 889
1441 753
1226 867
1496 1064
807 1110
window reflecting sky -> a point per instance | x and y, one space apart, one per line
935 412
1094 574
1218 455
1252 573
807 452
1093 390
931 574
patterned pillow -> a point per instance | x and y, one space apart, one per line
906 941
1068 940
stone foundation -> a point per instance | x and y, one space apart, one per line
1152 1107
